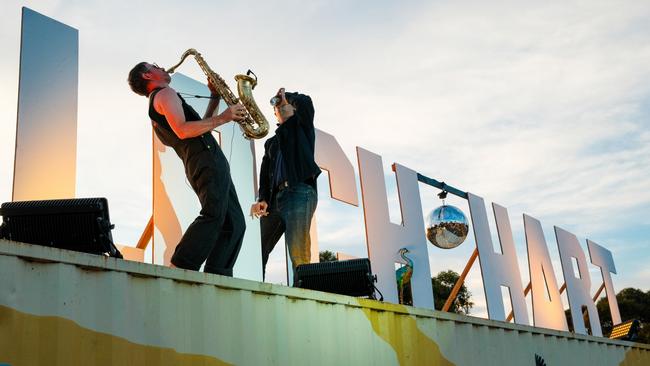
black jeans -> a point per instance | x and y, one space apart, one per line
216 235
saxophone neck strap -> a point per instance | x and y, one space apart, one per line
188 95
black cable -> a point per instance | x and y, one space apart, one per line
187 95
381 296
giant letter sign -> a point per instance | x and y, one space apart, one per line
497 269
46 130
603 259
385 238
547 304
577 288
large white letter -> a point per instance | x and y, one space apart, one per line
578 289
45 162
343 184
330 157
547 304
497 269
603 259
384 238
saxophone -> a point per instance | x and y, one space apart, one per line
254 124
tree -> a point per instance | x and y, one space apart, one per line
326 256
442 285
632 304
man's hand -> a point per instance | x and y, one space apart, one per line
236 112
258 209
283 110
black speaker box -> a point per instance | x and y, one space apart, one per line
80 224
350 277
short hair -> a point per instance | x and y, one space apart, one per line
137 83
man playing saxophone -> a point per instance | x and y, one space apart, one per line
216 235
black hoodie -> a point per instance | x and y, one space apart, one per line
296 139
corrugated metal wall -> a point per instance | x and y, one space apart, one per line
66 308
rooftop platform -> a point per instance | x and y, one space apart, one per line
67 308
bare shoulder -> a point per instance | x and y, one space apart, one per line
165 97
167 93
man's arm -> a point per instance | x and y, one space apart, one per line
214 101
212 106
265 174
304 108
168 104
259 208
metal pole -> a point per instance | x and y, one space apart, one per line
442 185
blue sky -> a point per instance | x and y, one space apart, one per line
540 107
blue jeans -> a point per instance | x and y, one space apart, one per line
290 214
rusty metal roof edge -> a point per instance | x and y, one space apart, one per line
43 254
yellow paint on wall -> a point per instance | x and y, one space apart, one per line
636 357
411 345
46 340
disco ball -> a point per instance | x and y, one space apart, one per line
447 227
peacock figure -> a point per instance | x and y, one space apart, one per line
404 274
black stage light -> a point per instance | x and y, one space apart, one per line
350 277
80 224
627 331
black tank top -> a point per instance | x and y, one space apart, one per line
185 148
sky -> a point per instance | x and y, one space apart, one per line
542 107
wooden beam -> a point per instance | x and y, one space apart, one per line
146 236
461 280
527 290
600 289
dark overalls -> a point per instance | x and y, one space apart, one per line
216 235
